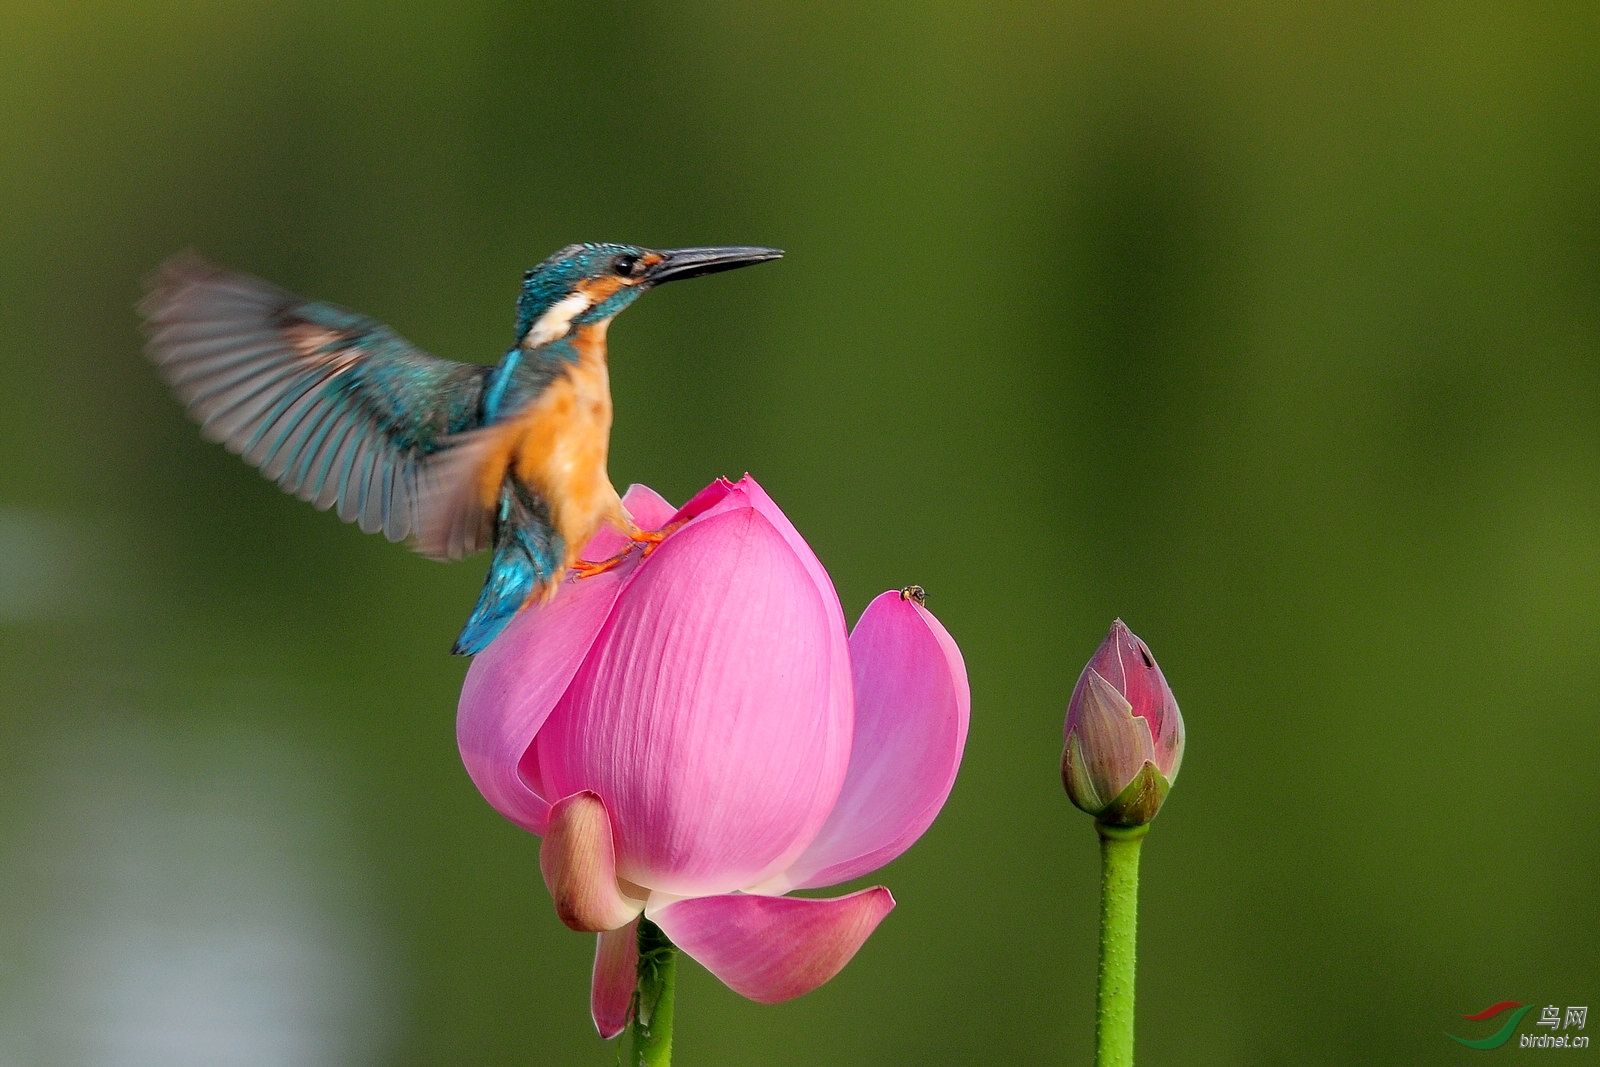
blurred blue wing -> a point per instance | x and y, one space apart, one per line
454 519
333 406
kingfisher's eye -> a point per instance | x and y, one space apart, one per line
626 265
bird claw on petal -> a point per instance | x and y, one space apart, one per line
651 539
772 949
645 507
579 865
585 568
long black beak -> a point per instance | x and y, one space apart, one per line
693 262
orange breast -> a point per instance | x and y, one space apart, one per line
562 444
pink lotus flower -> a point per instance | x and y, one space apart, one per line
693 735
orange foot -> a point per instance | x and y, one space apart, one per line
651 539
588 569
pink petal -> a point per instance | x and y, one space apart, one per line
580 868
650 512
713 715
722 495
912 708
705 499
763 503
648 507
771 949
616 972
513 685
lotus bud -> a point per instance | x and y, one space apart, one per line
1124 736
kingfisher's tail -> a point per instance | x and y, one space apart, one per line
527 558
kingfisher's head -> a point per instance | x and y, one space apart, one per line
584 284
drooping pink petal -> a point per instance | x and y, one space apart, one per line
771 949
616 972
650 512
912 710
513 685
580 868
713 714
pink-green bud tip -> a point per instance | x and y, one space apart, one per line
1124 736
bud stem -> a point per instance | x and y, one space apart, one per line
647 1042
1119 926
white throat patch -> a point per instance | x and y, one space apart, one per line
554 323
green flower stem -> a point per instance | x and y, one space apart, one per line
1119 929
647 1042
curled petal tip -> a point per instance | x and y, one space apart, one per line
580 867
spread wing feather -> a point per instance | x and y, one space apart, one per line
333 406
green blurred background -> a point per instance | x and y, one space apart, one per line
1271 329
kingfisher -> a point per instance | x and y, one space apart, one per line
343 412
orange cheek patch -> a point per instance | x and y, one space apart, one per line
599 290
